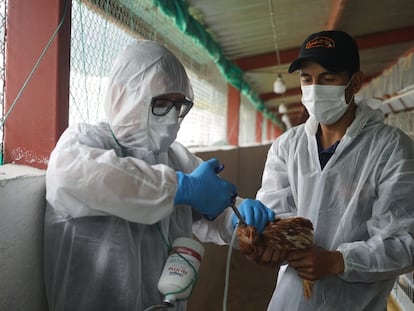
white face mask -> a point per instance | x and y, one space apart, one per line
326 103
163 130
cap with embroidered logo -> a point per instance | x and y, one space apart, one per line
333 49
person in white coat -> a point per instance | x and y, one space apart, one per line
352 176
121 191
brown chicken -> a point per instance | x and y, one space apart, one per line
282 234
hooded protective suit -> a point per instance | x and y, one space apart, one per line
360 204
110 193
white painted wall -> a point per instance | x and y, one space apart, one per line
22 201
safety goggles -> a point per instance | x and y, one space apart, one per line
161 106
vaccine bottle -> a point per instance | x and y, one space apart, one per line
180 269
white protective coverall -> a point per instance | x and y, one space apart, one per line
110 194
360 204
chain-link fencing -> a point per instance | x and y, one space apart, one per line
103 28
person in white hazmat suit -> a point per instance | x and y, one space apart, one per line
119 192
352 176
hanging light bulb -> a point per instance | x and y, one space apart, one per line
279 87
286 120
282 109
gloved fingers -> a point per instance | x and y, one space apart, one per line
229 193
271 215
242 207
222 195
247 210
256 213
213 163
208 193
259 220
206 169
250 216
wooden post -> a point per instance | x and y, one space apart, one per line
40 115
233 115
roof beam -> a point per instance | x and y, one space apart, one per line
336 14
289 92
364 42
266 59
386 38
297 91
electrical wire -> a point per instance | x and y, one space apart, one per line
29 77
272 18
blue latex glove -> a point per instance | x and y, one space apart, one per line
204 190
255 214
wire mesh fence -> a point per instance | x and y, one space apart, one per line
103 28
95 42
100 30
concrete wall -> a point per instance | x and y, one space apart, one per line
242 166
250 285
22 193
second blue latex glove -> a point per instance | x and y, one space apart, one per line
255 214
204 190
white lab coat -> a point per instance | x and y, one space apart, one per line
110 194
360 204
